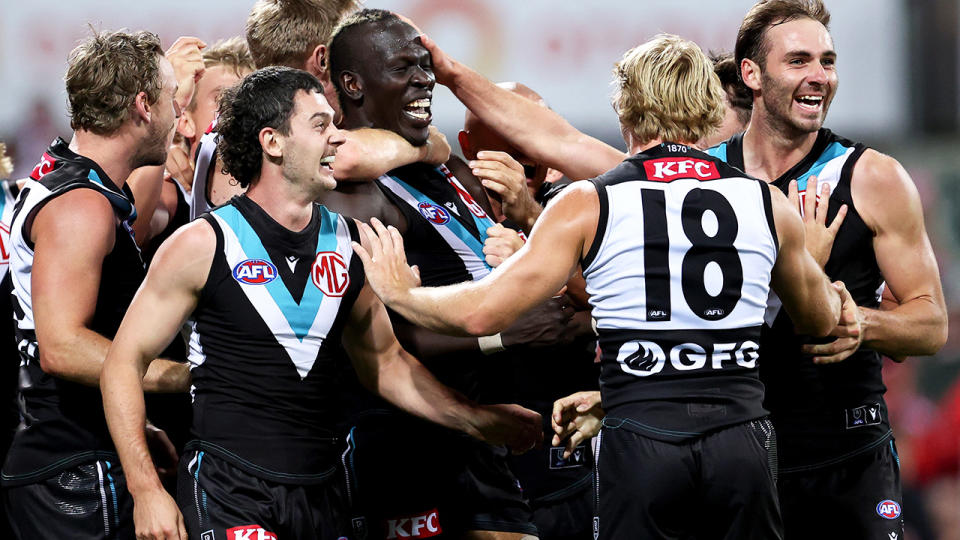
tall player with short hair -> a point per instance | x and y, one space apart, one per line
274 296
678 251
835 437
75 268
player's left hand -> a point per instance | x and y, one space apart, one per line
384 261
163 452
503 175
576 418
500 244
187 61
819 236
179 167
849 332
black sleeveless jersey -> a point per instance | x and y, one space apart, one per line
678 276
266 341
824 414
63 422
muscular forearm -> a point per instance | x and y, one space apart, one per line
167 376
403 381
427 345
916 327
538 132
124 408
370 153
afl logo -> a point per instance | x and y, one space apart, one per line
641 358
255 272
888 509
330 273
434 214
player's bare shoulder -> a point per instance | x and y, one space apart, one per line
188 253
883 191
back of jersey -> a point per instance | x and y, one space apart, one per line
678 275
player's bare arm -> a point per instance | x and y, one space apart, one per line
918 326
485 307
385 368
146 183
813 304
370 153
536 131
168 295
63 305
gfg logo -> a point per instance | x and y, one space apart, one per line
645 358
255 272
888 509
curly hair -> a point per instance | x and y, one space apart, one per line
285 32
752 35
265 98
666 89
106 73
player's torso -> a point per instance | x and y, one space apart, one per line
824 411
265 342
678 276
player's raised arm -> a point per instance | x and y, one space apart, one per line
485 307
538 132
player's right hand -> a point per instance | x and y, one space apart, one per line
576 418
510 425
437 147
444 67
156 516
187 61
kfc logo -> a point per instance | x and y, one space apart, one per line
45 166
667 169
419 526
250 532
330 273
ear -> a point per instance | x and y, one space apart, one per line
351 85
468 152
186 126
141 107
270 142
317 62
750 72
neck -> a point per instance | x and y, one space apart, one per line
636 146
112 153
770 150
354 118
289 204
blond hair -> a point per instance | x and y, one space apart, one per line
285 32
666 89
106 73
232 53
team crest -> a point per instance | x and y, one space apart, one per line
433 213
255 272
330 273
888 509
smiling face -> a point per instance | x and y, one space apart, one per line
395 75
310 147
799 78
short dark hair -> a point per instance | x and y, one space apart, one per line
265 98
739 94
751 38
339 51
106 73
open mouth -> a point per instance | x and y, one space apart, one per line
810 103
327 163
418 109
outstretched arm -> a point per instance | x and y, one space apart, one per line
369 153
167 296
534 130
485 307
385 368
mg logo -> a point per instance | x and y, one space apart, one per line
330 273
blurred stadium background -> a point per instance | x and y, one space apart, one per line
899 65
